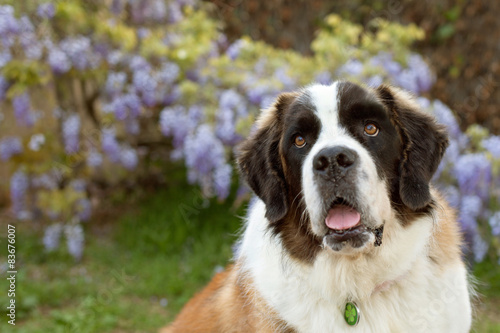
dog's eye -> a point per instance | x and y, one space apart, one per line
299 141
371 129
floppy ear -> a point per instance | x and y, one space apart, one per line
260 163
424 143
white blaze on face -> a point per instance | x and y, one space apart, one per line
372 194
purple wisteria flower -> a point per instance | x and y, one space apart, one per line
324 77
374 81
450 156
225 127
446 117
267 101
231 106
19 184
84 209
234 50
78 185
126 106
282 75
174 12
110 145
204 154
129 158
196 114
45 181
9 25
172 96
492 144
352 67
31 45
195 75
100 51
10 146
58 60
79 51
470 209
494 222
22 110
417 77
138 63
71 133
424 102
52 236
115 82
168 73
175 122
424 77
473 172
386 61
5 57
46 10
257 93
115 57
145 84
94 158
25 24
4 85
407 80
143 33
231 99
479 248
74 239
452 195
156 10
21 104
222 180
471 206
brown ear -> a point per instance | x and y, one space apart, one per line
424 143
260 163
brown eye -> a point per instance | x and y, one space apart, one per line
371 129
299 141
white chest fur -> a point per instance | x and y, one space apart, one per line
311 298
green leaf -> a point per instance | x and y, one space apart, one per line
453 14
445 31
24 74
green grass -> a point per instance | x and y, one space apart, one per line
487 308
139 253
168 248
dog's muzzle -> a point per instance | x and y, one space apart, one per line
336 171
334 162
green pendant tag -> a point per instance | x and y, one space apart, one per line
352 314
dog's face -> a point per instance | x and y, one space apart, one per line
334 163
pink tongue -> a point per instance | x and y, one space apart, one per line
342 217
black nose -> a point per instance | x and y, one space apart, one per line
333 160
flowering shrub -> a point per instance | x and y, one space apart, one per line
95 94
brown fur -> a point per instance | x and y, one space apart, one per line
227 305
446 240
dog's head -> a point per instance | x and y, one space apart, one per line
333 163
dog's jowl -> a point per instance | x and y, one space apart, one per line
346 233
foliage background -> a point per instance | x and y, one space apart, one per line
106 103
464 57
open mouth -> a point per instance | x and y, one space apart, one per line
344 225
342 216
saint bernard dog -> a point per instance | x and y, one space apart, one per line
345 234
